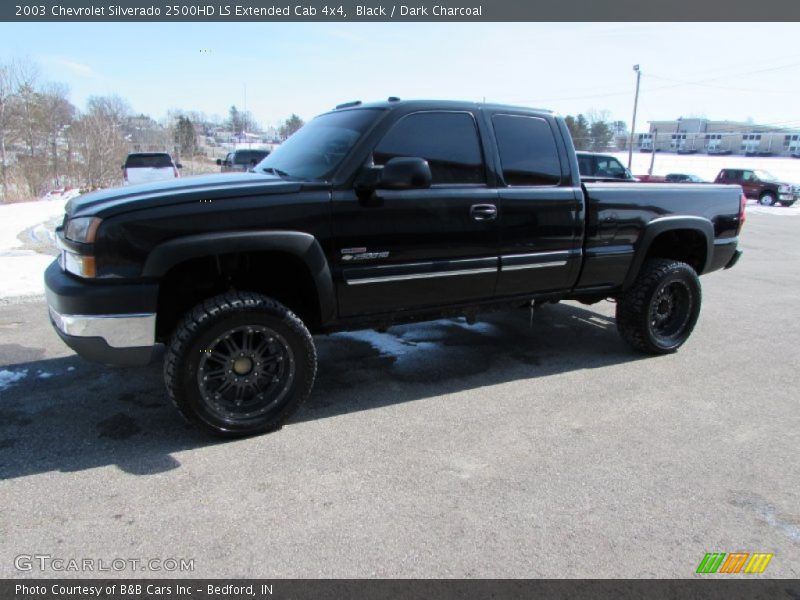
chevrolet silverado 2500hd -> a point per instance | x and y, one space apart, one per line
372 214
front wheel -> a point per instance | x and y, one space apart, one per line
659 311
239 364
767 199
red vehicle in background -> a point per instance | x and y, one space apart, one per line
760 185
651 178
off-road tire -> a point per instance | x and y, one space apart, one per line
639 309
209 322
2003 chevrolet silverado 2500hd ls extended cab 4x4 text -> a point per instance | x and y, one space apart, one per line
369 215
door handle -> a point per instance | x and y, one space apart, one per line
483 212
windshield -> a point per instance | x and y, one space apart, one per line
317 149
765 175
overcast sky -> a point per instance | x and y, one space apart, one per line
716 70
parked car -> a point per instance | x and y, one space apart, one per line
370 215
241 160
599 167
760 185
145 167
683 178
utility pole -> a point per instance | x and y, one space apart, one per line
633 121
653 151
244 115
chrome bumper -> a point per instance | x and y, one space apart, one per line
118 331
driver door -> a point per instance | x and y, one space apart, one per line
416 248
750 184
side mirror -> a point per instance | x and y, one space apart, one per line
404 173
219 162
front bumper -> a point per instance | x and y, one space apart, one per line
111 323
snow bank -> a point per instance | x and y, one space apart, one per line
22 269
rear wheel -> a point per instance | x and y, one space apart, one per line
239 364
767 199
658 313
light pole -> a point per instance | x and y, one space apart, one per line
633 121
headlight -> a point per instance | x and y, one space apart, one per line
82 230
784 189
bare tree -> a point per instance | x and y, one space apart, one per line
6 98
26 76
100 139
57 113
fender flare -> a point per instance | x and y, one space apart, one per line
658 226
302 245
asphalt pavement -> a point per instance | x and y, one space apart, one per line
511 448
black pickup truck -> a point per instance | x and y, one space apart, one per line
369 215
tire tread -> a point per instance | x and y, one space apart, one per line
191 324
633 305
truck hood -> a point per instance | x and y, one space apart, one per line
112 201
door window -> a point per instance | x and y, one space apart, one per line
447 140
528 151
608 166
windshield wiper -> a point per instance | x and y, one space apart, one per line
275 171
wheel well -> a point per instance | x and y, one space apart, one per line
279 275
685 245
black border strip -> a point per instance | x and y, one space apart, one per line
434 11
711 588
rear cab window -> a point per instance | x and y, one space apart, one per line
152 161
528 151
246 157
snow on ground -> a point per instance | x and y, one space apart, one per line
707 167
399 340
754 207
22 269
9 378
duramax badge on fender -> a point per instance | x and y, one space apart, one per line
369 215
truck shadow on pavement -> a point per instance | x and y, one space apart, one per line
67 414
